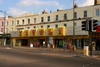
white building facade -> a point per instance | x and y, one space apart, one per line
60 18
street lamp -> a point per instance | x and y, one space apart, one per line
73 26
4 23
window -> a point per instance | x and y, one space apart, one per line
34 20
12 23
65 16
48 26
85 13
22 21
7 23
2 23
6 30
65 25
34 26
28 27
97 12
11 29
41 26
56 17
48 18
75 15
75 24
41 19
1 29
17 22
28 21
56 26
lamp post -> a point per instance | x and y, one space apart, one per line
73 26
4 24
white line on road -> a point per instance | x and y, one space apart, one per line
8 48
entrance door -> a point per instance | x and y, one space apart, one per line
41 42
24 42
78 43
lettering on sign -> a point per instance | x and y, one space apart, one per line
50 32
41 31
33 31
60 30
26 32
96 35
20 33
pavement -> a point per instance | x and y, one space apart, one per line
78 52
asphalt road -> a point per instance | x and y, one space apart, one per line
10 57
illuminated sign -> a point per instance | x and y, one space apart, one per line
42 32
21 34
61 31
27 33
51 31
34 32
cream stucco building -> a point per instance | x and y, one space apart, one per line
60 18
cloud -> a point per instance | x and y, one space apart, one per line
37 2
1 1
87 3
1 15
15 12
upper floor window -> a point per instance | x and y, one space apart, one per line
48 26
11 29
41 19
75 15
65 16
97 12
65 25
17 22
48 18
6 30
56 26
12 22
1 29
75 24
7 23
34 26
85 13
22 21
56 17
2 23
28 21
34 20
41 26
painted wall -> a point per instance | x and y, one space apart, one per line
2 25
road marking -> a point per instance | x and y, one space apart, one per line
8 48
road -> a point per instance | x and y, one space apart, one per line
10 57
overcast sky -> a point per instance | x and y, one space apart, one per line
18 7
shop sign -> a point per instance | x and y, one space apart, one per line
34 32
51 31
61 42
61 31
42 32
96 35
21 34
27 33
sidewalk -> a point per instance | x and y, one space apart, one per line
78 52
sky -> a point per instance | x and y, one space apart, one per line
18 7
